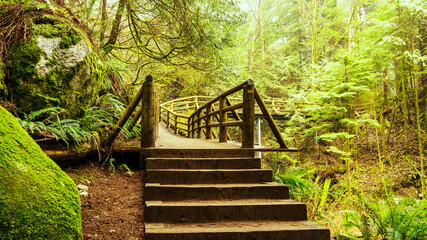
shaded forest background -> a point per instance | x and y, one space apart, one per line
357 68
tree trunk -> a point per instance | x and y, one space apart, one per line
115 30
103 19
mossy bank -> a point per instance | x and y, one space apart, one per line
57 67
37 199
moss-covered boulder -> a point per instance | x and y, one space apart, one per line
37 199
58 67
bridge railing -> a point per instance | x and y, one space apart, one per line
214 114
188 105
176 121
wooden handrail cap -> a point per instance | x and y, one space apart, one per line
149 78
250 82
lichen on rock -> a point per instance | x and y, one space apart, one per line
58 67
37 199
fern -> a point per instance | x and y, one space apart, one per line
393 219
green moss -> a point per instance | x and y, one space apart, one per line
46 29
68 87
23 60
69 40
37 199
52 62
52 27
23 76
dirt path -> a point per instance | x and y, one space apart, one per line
113 208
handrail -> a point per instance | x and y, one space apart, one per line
275 107
250 95
146 95
188 118
168 114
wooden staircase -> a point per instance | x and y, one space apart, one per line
204 195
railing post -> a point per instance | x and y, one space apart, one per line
175 130
248 115
222 120
189 127
167 119
148 121
208 122
199 129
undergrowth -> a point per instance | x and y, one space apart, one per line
91 128
345 203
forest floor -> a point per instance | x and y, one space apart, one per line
113 208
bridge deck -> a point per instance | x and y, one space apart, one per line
168 140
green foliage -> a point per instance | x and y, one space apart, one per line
111 165
125 168
121 168
393 218
329 137
91 128
298 181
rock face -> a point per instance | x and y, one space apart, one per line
37 199
56 68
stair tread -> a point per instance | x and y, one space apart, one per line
232 202
231 226
207 159
208 170
220 185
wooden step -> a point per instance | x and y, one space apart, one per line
202 196
207 176
203 163
237 230
220 210
158 192
195 153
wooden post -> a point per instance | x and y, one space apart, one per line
248 115
208 122
148 121
222 120
167 119
190 128
175 130
157 116
199 129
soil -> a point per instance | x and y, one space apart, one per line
113 208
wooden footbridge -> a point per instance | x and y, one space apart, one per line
209 189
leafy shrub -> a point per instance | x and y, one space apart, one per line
392 219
